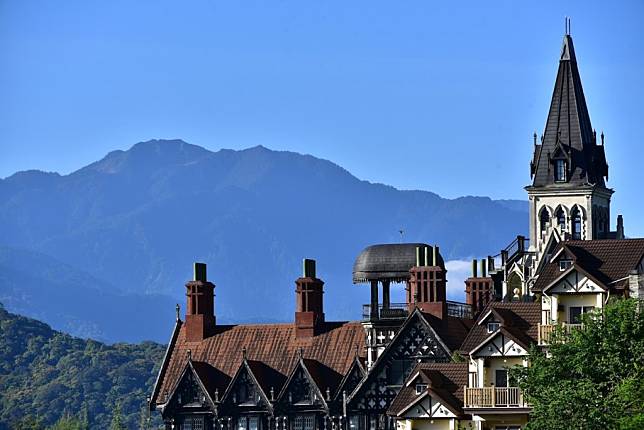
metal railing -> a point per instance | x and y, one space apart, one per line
401 311
459 310
546 331
392 311
494 397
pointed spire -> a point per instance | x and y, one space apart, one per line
568 133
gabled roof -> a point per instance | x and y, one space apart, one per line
189 371
519 321
568 129
350 381
271 349
306 366
449 333
445 382
608 261
247 366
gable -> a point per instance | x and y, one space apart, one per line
244 392
301 390
351 380
574 281
189 394
499 344
416 342
427 405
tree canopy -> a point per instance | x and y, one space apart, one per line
50 380
592 378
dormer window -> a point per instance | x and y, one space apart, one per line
564 265
493 326
421 388
560 170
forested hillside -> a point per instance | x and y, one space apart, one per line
46 375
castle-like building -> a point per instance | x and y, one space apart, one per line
428 363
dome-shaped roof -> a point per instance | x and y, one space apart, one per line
390 262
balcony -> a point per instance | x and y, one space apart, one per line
393 311
396 311
546 331
494 397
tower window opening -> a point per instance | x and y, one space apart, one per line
544 219
561 219
576 224
560 171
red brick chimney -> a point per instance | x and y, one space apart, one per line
479 290
200 311
309 308
427 283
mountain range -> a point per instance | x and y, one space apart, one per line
104 251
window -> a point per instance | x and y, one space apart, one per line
304 422
421 388
493 326
248 423
576 224
354 422
192 423
564 265
544 219
560 170
561 219
501 378
575 313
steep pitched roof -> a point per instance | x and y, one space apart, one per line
569 133
444 380
520 321
451 330
608 261
272 351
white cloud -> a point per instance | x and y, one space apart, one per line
457 272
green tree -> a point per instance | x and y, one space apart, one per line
592 378
69 423
117 419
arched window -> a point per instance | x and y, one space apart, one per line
561 219
544 218
576 224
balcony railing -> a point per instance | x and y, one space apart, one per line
391 312
494 397
546 331
401 311
459 310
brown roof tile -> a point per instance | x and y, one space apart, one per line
607 260
520 319
273 345
446 380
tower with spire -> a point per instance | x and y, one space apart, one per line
568 196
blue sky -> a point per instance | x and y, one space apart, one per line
442 96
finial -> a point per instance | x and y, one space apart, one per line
300 352
534 137
602 136
216 394
178 310
272 394
402 234
244 353
328 393
189 354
